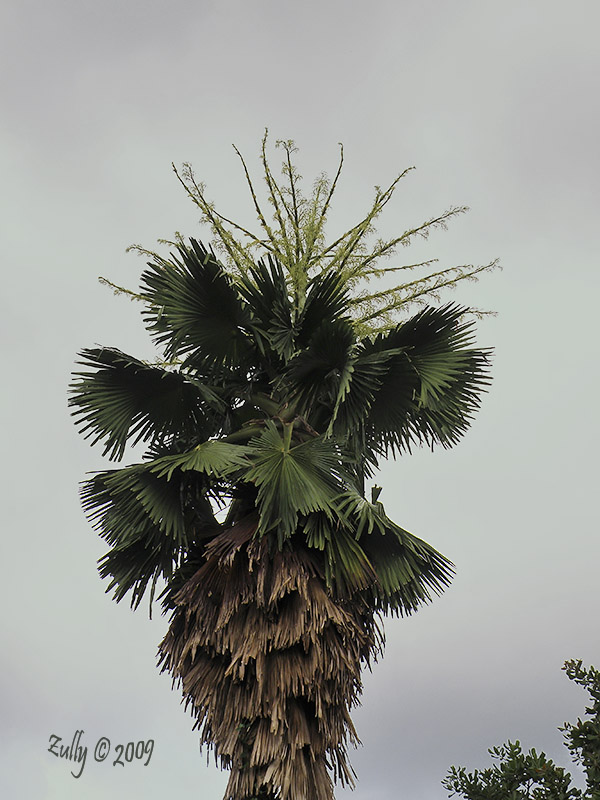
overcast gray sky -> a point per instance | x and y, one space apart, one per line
496 103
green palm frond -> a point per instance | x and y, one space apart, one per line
316 373
292 479
141 516
408 569
194 308
265 291
126 399
215 458
433 381
365 374
133 566
348 569
326 300
135 501
365 552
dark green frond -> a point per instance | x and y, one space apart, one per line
133 566
123 399
141 516
266 293
316 375
366 372
128 503
407 569
363 551
433 382
194 308
347 566
326 300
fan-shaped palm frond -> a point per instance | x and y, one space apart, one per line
141 517
125 399
317 373
433 381
215 458
195 310
265 290
407 569
326 301
292 479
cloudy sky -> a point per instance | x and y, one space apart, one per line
496 104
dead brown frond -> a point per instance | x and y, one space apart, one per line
269 663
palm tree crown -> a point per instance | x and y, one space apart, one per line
282 383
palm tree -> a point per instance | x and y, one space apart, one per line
283 381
